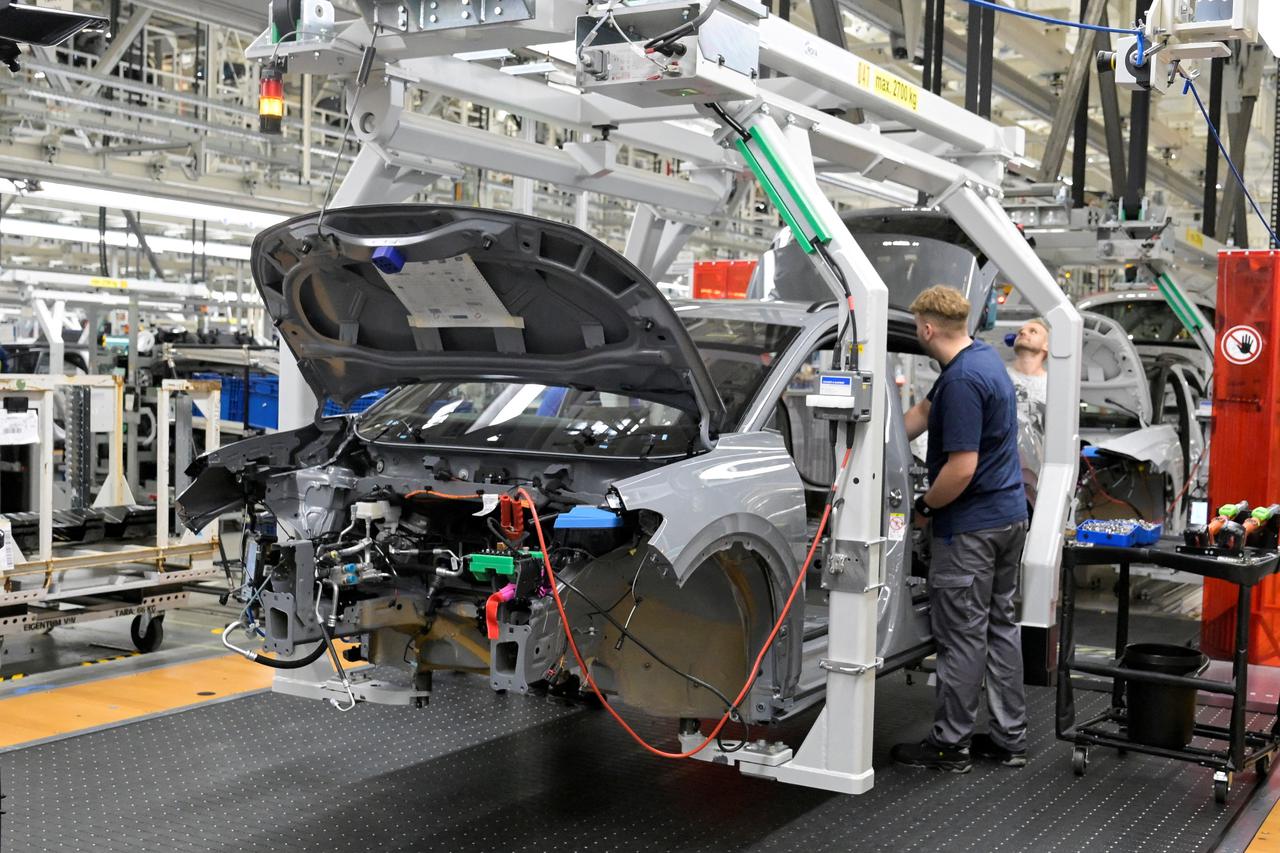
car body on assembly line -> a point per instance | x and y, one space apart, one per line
676 472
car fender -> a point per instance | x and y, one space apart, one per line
746 489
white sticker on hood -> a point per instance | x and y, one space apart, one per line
449 292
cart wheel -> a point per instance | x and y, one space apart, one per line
152 638
1221 786
1079 760
1263 766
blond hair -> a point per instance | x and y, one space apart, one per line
943 306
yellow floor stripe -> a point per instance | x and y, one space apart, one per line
66 710
1268 838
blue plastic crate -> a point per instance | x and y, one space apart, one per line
1094 532
264 398
359 405
1148 533
264 402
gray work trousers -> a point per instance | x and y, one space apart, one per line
973 578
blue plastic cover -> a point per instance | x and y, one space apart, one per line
588 518
388 259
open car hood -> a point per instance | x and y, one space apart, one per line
1112 374
479 294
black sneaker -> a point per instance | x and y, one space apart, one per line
984 747
928 754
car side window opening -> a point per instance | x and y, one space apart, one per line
808 438
739 354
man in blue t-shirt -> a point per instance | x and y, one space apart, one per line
978 509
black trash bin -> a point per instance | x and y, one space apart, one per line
1160 714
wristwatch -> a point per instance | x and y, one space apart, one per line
923 508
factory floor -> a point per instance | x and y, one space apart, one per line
186 749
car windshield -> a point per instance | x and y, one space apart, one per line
909 265
556 419
529 417
738 355
1148 320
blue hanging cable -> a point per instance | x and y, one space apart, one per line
1190 86
1060 22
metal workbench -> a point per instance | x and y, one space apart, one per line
1245 748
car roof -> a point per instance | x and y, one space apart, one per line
1134 293
902 336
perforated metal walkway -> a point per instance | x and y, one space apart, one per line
484 772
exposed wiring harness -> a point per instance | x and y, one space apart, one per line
733 710
756 664
1191 478
1097 483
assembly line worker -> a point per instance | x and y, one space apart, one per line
1030 384
979 515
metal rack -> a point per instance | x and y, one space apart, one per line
1245 749
70 584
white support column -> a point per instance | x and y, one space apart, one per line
50 320
297 406
522 188
115 491
643 237
45 474
308 111
836 754
162 464
653 243
995 234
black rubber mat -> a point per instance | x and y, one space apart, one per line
484 772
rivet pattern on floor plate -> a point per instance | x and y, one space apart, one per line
485 772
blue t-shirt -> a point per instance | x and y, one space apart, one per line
975 408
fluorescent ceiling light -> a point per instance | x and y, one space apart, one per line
484 55
156 205
529 68
72 234
96 298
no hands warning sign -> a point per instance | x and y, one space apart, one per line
1241 344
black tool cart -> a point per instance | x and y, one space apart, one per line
1244 749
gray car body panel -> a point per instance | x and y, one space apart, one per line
747 487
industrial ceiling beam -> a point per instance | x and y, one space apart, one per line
1070 97
1024 91
828 22
136 227
1241 89
120 44
1112 128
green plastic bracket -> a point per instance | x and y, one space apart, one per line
785 212
499 564
820 234
1179 303
481 565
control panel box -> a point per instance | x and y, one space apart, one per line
659 54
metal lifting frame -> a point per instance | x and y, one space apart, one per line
956 159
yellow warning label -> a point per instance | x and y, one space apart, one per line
888 86
116 283
1195 238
